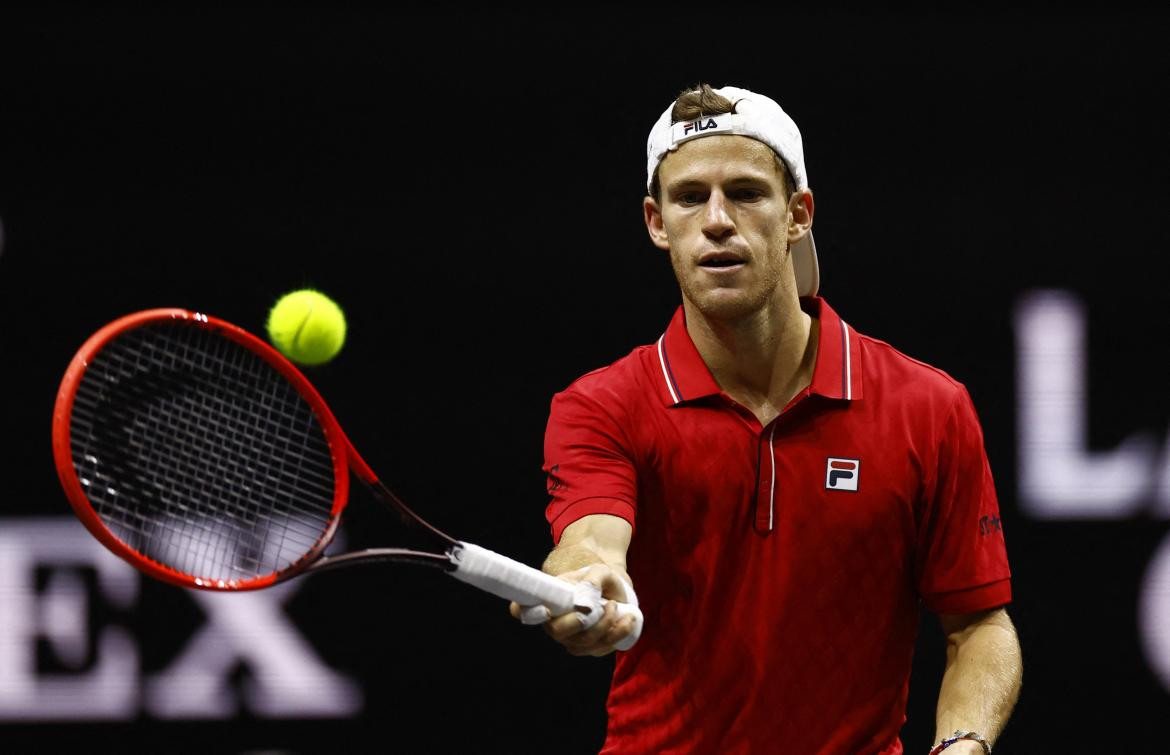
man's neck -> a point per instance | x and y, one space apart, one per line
762 360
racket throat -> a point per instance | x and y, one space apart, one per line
382 555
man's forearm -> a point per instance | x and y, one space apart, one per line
982 679
595 539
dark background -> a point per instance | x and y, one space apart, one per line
467 186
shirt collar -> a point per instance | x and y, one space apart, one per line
836 374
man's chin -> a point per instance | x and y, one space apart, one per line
726 305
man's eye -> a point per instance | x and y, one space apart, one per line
689 198
750 195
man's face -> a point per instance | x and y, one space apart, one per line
726 222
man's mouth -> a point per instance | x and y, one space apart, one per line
721 260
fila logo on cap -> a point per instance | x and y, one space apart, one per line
699 125
706 125
842 474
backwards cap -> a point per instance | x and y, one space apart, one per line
759 118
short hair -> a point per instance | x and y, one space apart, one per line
702 100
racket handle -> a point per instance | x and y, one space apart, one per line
512 580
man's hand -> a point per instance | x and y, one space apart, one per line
591 549
599 639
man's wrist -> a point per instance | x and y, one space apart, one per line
977 743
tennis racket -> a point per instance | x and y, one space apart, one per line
200 455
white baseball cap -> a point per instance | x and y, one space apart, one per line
759 118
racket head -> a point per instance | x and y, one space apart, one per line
156 444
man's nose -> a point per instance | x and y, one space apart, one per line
717 223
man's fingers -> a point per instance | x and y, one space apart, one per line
598 639
605 645
563 627
618 629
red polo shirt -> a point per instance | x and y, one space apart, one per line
780 568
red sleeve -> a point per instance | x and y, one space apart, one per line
586 458
961 561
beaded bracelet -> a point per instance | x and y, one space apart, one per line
961 735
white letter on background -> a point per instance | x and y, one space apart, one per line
1059 477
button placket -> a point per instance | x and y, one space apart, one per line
766 487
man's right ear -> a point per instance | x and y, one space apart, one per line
653 217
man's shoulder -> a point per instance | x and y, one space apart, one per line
896 374
622 379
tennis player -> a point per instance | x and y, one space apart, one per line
783 491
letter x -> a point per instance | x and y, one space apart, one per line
286 677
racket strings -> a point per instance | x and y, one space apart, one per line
200 455
173 434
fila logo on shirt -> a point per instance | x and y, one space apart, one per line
699 125
842 474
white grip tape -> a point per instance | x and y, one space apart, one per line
513 580
626 609
536 614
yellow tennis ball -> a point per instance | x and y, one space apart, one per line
307 327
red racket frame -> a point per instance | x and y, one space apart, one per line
343 454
